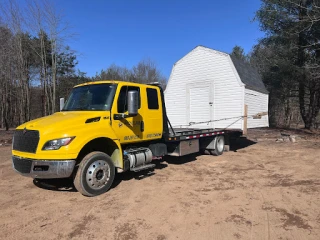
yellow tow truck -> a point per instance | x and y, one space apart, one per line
104 127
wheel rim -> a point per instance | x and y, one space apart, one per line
98 174
220 144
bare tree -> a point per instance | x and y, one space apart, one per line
48 23
146 71
57 30
31 45
13 16
37 25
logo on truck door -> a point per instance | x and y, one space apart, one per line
132 137
153 135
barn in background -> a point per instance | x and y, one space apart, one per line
209 89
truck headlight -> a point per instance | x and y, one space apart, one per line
57 143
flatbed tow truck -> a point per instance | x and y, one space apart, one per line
104 127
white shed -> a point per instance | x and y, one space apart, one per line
209 89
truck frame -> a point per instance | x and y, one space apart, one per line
104 127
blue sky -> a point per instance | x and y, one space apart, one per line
125 31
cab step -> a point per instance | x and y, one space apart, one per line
143 167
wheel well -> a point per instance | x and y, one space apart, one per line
105 145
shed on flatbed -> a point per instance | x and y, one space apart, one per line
209 89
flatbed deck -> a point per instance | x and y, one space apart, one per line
177 134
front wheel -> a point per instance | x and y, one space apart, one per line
95 174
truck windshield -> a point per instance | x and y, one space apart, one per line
95 97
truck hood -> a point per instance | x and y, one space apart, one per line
62 121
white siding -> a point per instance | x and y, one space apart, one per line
215 70
257 102
228 98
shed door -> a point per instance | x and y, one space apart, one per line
200 106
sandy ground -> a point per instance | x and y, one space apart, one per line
264 190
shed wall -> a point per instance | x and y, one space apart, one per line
257 102
205 68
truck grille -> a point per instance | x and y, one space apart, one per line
26 140
22 165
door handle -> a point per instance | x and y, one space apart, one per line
142 126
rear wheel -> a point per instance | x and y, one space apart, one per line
95 174
219 146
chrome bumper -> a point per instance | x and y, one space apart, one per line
43 168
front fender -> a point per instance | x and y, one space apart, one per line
110 146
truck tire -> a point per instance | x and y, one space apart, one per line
95 174
218 146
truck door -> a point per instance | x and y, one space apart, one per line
153 115
128 129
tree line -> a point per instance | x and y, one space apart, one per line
288 58
33 60
37 67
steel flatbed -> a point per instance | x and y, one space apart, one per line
180 134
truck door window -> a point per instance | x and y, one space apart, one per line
122 99
152 95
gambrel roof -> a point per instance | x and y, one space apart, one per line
249 75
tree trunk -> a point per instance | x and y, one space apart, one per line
300 63
54 74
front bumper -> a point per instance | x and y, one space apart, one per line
43 168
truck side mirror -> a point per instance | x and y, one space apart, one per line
133 101
61 103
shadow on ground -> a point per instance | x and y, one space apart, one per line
127 176
59 184
240 143
182 159
66 184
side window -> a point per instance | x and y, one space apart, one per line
152 95
122 99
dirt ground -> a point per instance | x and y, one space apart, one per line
261 189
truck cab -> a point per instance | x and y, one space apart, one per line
99 118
